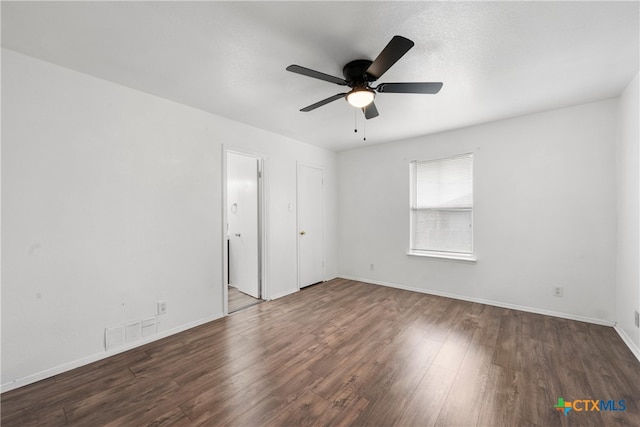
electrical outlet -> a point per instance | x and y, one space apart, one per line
637 319
371 267
162 307
558 291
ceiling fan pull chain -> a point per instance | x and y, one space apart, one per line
364 130
355 121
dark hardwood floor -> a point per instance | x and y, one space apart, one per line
238 300
350 353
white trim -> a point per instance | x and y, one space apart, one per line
293 291
21 382
487 302
225 238
444 255
263 196
284 294
627 340
56 370
413 196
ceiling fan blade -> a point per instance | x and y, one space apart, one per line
323 102
429 88
316 74
396 48
370 111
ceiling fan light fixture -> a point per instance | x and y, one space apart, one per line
360 97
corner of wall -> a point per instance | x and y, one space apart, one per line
627 286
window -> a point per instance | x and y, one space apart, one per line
442 207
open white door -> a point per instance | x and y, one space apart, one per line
242 223
310 226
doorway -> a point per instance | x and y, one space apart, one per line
310 199
243 227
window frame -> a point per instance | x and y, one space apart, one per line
460 256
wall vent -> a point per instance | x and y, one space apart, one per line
132 331
113 337
148 327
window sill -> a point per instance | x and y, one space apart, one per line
443 255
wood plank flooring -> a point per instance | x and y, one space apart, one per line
350 353
239 300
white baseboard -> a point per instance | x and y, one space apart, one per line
284 294
293 291
500 304
47 373
103 355
627 340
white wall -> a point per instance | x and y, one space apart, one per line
112 201
628 281
544 213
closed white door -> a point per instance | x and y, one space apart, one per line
310 226
242 223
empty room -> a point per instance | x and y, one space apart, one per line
320 213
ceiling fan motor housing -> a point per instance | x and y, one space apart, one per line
355 72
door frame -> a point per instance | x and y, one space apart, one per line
263 231
322 219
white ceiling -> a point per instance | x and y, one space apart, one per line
496 59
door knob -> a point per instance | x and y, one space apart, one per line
302 233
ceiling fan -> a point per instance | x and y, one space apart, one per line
359 74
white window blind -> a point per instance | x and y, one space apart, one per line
442 205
